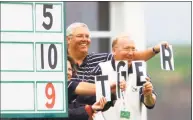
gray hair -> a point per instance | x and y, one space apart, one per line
71 27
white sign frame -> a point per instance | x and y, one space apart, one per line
27 35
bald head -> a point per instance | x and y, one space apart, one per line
123 48
122 41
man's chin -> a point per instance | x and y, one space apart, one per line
84 50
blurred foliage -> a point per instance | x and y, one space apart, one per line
173 88
182 66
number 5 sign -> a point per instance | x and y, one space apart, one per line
33 60
49 14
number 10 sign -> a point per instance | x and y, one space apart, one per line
33 60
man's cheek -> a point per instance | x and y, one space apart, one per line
89 42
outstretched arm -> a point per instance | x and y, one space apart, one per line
149 53
85 88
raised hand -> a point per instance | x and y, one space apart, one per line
99 105
157 47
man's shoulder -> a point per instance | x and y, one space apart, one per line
101 66
75 78
73 82
99 55
106 63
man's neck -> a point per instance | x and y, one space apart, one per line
129 66
77 57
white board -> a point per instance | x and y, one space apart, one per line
33 60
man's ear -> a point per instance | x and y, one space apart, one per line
113 51
68 39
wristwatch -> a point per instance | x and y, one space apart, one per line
155 50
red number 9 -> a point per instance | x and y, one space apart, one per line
50 96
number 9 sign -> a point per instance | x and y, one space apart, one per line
50 95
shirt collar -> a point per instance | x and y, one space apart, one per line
83 63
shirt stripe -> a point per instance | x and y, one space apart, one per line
91 61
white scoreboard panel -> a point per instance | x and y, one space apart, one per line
33 60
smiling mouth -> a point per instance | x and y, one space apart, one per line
83 44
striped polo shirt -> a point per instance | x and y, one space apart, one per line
89 63
72 84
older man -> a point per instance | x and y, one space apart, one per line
123 49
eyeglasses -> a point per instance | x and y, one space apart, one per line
82 36
127 49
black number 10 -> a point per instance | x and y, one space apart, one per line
52 66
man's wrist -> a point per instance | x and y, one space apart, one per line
89 110
155 51
148 96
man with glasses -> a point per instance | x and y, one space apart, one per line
123 48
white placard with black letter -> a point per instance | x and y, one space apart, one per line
139 69
122 74
102 87
135 82
167 59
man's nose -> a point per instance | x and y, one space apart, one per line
84 37
130 53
